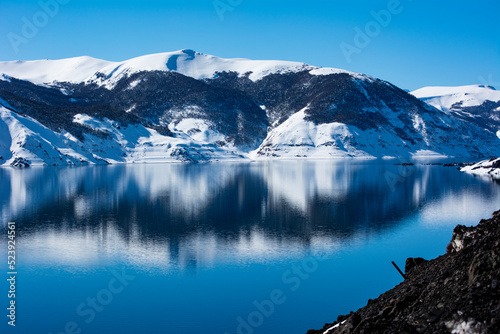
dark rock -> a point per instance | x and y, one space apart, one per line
20 163
458 164
413 262
461 237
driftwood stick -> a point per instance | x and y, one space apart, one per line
399 270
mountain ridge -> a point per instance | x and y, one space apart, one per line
188 106
188 62
478 104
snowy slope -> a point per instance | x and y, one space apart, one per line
299 138
47 71
138 144
477 104
25 138
187 62
448 98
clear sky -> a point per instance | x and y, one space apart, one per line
420 42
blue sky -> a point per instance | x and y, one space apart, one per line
420 42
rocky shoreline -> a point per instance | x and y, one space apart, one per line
458 292
487 168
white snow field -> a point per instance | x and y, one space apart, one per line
187 62
444 98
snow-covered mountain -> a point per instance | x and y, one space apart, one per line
478 104
25 141
187 62
188 106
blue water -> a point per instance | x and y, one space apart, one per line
275 247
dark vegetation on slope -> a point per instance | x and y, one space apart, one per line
237 107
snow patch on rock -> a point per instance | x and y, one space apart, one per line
486 168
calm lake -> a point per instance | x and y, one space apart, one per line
263 247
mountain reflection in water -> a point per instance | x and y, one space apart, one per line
179 215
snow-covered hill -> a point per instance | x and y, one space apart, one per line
47 71
431 136
478 104
188 106
455 98
25 141
187 62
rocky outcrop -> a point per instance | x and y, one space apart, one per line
488 168
20 163
454 293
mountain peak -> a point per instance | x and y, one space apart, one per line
186 61
471 95
189 52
